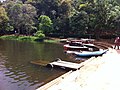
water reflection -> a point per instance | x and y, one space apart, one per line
16 72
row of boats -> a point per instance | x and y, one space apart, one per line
83 48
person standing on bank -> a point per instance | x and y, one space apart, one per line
117 42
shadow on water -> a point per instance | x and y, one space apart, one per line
16 72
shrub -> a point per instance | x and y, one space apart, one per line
24 38
39 34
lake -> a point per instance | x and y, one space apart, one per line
16 71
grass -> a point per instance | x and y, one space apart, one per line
27 38
20 38
9 37
51 41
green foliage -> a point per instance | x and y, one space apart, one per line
100 17
3 15
26 38
60 16
9 27
51 41
9 37
3 19
28 17
39 34
45 24
79 23
20 38
21 16
118 1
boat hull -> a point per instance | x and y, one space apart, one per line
72 48
90 54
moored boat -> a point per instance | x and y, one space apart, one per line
75 45
87 53
69 47
90 54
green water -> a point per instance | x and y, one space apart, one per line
16 71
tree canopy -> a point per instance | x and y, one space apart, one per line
61 17
3 19
45 24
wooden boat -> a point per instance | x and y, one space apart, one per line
75 45
92 47
87 40
90 54
71 47
87 53
80 46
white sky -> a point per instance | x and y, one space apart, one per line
2 0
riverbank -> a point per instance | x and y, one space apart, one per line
46 39
29 38
101 73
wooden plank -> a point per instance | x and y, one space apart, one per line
39 62
59 63
65 64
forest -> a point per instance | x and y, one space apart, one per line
60 18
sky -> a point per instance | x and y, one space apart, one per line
2 0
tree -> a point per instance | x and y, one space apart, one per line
14 13
28 18
79 23
118 1
22 16
39 35
63 16
3 15
56 10
106 12
3 19
99 18
45 24
114 17
82 21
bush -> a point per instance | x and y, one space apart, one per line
24 38
39 34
